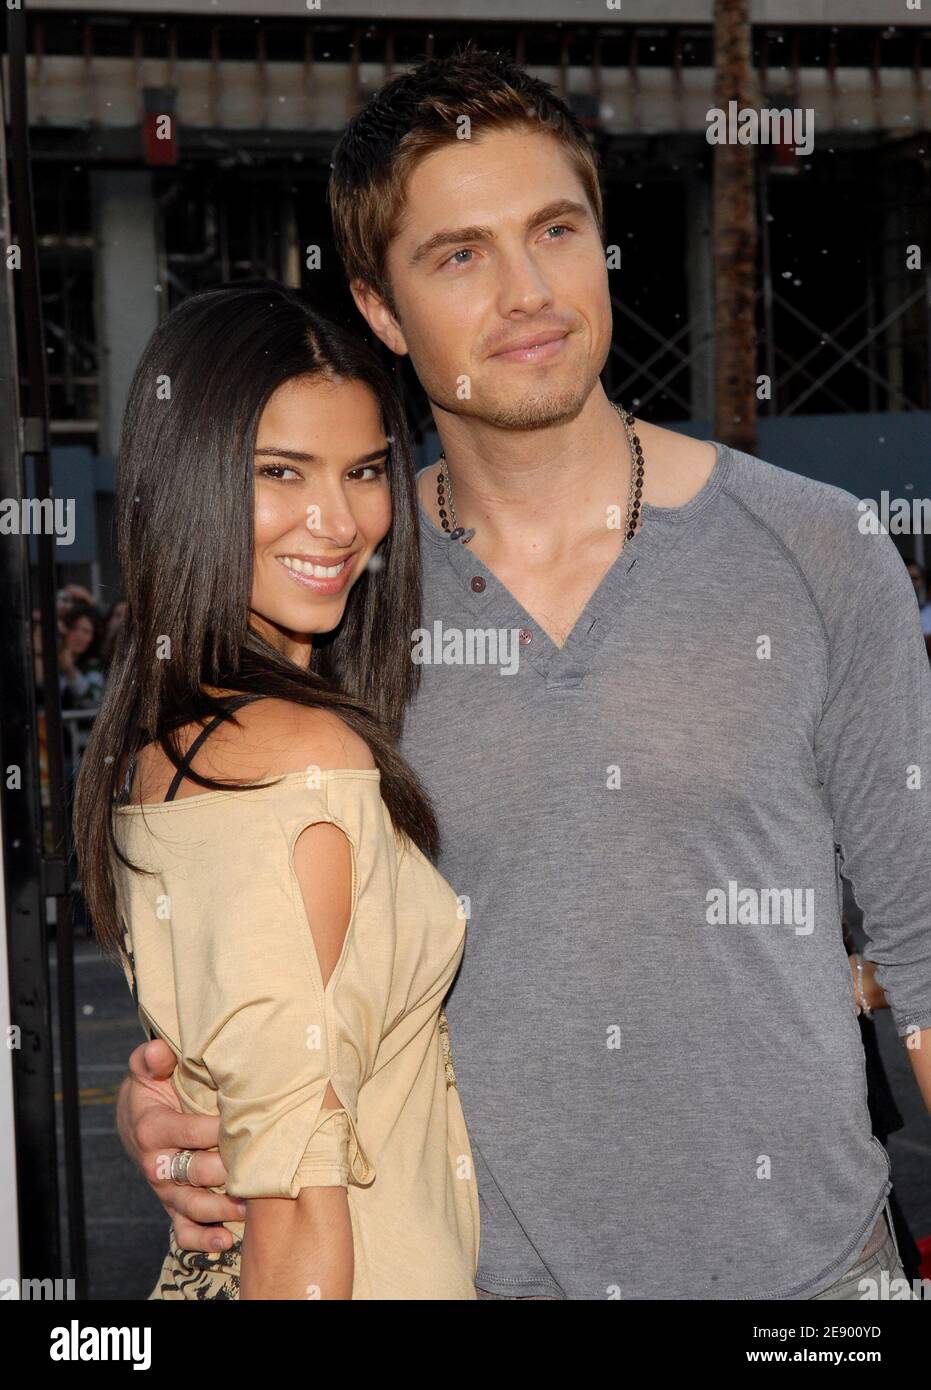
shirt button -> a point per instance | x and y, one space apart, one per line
478 583
524 636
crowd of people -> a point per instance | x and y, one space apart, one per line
920 582
86 641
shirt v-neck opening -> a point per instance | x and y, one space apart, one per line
566 665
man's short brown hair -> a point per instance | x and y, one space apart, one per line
420 111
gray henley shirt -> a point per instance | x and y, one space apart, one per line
653 1028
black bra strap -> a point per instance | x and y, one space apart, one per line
205 733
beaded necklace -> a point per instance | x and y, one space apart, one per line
444 487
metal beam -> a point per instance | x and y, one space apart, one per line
812 12
26 946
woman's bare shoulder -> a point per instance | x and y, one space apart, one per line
270 738
288 737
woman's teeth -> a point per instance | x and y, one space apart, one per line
316 571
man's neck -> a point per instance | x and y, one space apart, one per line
540 495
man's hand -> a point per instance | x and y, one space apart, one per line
153 1126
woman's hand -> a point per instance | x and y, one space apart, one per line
873 992
153 1126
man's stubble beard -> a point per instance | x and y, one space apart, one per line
527 411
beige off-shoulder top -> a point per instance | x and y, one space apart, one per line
223 967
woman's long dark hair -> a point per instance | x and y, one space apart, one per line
185 533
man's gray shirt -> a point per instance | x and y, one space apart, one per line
653 1029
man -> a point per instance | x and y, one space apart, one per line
642 767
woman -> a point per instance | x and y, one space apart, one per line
269 889
81 672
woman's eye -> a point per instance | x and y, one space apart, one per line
376 470
275 470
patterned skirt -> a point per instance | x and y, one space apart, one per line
199 1273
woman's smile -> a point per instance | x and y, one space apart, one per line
315 574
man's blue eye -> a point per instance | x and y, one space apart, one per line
464 250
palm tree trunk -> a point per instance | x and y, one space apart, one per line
734 237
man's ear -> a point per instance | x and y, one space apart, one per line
378 317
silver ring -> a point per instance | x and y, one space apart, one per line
180 1163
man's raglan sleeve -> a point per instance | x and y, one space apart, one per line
873 751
